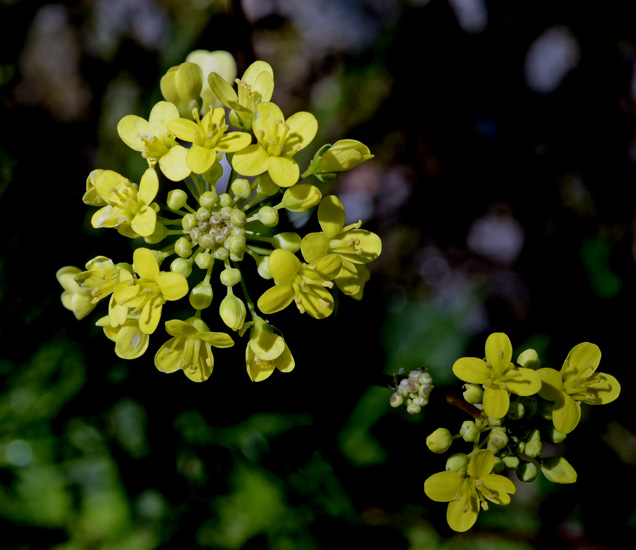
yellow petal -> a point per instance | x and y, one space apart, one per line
331 215
144 222
443 486
283 266
498 352
132 128
187 130
173 163
522 381
284 171
302 130
148 186
566 413
145 264
275 299
603 390
471 370
251 161
496 402
551 384
481 464
583 358
462 514
168 357
497 489
174 286
200 159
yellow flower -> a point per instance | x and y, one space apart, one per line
219 62
343 155
182 86
208 136
130 210
577 382
353 245
498 374
74 297
266 351
130 341
154 141
468 490
305 284
257 85
278 142
147 294
190 349
100 278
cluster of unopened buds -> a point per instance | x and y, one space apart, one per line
515 409
413 390
213 195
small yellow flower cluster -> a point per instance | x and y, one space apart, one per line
206 220
515 407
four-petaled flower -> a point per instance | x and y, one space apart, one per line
278 142
129 209
208 136
147 294
468 490
190 348
577 382
355 246
156 144
266 351
498 374
305 284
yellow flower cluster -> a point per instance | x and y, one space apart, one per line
515 407
195 219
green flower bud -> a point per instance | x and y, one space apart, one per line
497 439
232 311
558 470
396 400
241 188
345 154
208 199
287 240
177 198
516 411
457 462
157 235
529 359
527 471
301 197
473 393
534 448
554 436
413 407
221 254
266 186
225 200
499 465
183 247
201 295
235 244
204 261
439 441
511 462
238 217
262 266
202 215
230 276
469 431
189 222
268 216
181 266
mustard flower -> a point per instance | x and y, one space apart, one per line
182 86
343 155
305 284
219 62
468 490
266 351
100 278
74 298
156 144
91 196
498 374
208 136
129 209
577 382
353 245
190 349
256 86
147 294
130 341
278 142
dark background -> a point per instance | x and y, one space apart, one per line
503 182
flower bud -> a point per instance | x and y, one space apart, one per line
497 439
473 393
241 188
345 154
396 400
287 240
498 466
238 217
516 411
534 448
529 359
469 431
189 222
413 407
511 462
232 311
181 266
262 266
225 200
182 85
457 462
201 295
204 260
230 276
527 471
439 441
554 436
268 216
177 198
208 199
183 247
301 197
235 244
